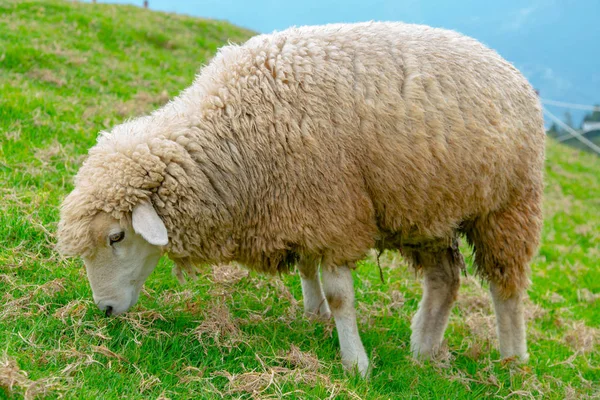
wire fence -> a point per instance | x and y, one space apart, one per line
569 131
570 105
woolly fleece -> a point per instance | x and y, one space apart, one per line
322 142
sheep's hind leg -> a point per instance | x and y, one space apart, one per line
339 291
315 304
441 282
510 323
505 242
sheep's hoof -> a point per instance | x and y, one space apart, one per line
360 367
515 360
318 316
423 356
423 353
322 313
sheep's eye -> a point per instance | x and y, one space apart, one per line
116 237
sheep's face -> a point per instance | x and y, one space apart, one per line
124 258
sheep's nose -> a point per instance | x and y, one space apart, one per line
108 311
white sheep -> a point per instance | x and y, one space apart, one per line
312 145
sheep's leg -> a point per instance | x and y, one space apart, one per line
510 323
441 281
339 291
315 304
505 241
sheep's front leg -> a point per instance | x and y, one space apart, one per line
511 324
441 281
315 304
339 292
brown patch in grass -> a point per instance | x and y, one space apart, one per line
81 360
300 359
295 366
46 155
40 118
52 287
476 309
228 274
398 300
147 381
484 376
282 291
74 367
224 276
476 298
24 306
73 309
92 111
20 306
533 311
556 201
48 76
173 298
142 103
554 298
163 396
472 303
14 380
256 383
582 338
191 374
584 229
74 57
584 295
476 348
105 351
99 333
13 133
8 279
219 326
142 321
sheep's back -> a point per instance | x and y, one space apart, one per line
378 126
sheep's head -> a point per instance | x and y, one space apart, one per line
124 257
110 219
121 255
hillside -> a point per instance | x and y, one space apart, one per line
68 71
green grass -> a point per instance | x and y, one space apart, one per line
68 71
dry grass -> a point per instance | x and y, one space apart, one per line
583 338
15 380
229 274
219 326
256 383
142 103
295 366
48 76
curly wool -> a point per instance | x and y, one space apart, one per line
322 142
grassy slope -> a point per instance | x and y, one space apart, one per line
68 71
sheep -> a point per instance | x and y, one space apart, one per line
310 146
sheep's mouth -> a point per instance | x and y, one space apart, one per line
108 312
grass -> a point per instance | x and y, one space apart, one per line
69 70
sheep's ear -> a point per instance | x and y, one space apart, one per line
147 223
